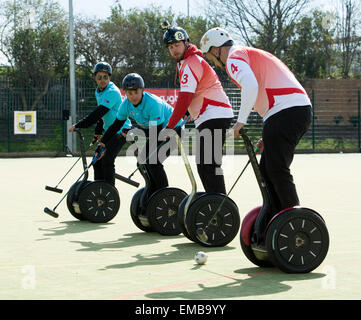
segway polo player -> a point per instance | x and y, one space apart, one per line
153 207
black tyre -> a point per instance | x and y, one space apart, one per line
72 199
99 202
135 212
220 228
245 239
162 210
249 253
297 240
180 216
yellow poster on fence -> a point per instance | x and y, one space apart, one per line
24 122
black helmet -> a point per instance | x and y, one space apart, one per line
174 34
132 81
102 67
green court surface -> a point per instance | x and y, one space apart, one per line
47 258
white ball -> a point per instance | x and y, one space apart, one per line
200 257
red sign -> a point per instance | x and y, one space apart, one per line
168 95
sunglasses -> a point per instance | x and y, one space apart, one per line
105 77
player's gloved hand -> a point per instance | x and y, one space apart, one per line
259 146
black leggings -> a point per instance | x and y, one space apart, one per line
281 134
104 168
211 136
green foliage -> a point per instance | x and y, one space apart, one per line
132 41
353 119
34 40
337 119
310 52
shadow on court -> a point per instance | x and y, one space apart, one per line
129 240
252 282
183 252
71 227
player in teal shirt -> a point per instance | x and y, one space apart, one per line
148 112
108 99
152 110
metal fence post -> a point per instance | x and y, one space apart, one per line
9 117
63 121
313 119
359 120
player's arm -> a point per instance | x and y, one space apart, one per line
242 73
189 84
92 117
112 130
99 127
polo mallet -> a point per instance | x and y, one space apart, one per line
58 190
201 232
52 212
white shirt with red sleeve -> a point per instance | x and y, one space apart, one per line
209 101
267 85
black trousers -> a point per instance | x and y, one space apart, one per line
153 155
210 137
281 134
104 169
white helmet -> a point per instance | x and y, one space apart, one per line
215 37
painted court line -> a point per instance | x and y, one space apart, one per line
237 277
183 284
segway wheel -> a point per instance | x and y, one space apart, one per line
162 210
220 229
297 240
72 199
99 202
181 214
245 239
138 218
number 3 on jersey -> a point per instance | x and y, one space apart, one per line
184 79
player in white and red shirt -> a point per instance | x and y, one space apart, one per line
202 95
271 89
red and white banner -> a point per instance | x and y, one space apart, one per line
168 95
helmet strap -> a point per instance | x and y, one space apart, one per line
186 48
219 58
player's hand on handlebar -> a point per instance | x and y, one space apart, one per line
237 126
259 146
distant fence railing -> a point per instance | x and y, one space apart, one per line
335 125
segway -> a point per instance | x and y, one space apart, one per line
295 240
210 219
157 211
95 201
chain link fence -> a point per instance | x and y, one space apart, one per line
335 126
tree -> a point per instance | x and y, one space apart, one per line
266 24
30 40
348 36
310 52
132 41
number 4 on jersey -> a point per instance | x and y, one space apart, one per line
233 68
